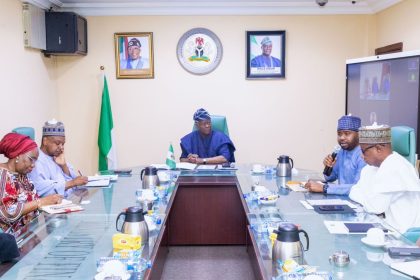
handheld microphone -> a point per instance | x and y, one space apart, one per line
327 169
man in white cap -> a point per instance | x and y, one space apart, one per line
347 163
265 60
389 184
52 174
135 60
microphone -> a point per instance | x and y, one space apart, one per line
327 169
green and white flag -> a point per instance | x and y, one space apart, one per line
106 143
170 158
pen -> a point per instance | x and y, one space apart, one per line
80 173
55 191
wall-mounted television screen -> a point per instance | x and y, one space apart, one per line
385 89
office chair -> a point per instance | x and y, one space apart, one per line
404 142
24 130
218 123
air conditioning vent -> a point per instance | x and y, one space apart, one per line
33 27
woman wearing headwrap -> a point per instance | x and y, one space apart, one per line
19 203
206 146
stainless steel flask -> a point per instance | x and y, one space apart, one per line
134 223
149 177
284 168
287 244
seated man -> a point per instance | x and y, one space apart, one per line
389 184
52 174
205 146
348 162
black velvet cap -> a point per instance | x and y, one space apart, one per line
8 247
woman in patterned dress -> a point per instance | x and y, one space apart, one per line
19 202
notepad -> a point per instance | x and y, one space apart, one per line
296 186
206 167
113 177
408 268
179 165
66 206
96 181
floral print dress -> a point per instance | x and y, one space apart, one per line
15 191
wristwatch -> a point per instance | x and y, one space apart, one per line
325 188
204 161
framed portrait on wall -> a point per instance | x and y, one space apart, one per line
265 54
134 55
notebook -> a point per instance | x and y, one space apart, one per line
362 227
65 206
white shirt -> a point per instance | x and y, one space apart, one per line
48 176
393 189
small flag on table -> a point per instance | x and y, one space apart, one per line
170 158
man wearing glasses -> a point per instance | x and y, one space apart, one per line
389 184
206 146
347 163
52 174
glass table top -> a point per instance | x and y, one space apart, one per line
79 239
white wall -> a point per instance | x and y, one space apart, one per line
28 89
295 116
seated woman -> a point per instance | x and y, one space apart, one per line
206 146
19 202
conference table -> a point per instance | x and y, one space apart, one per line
198 207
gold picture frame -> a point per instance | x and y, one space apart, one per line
137 45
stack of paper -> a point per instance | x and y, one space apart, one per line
296 186
186 165
179 165
113 177
347 227
206 167
66 206
99 180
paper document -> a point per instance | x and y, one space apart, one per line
408 268
179 165
206 167
296 186
65 206
306 205
331 202
103 177
186 165
347 227
98 182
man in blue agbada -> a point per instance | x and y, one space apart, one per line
265 59
206 146
348 163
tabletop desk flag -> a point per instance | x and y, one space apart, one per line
170 158
106 142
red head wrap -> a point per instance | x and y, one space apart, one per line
14 144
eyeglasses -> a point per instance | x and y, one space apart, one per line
204 123
367 148
33 160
